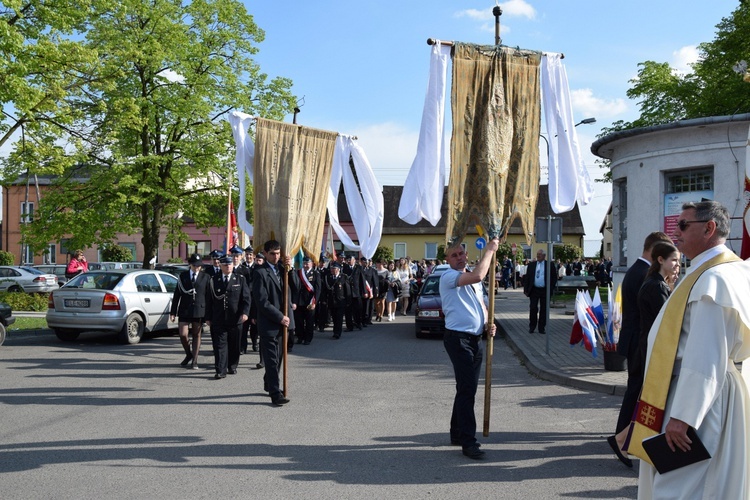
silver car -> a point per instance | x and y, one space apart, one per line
26 279
127 302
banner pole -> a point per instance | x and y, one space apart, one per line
490 348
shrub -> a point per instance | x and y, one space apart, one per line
383 253
117 253
25 301
175 260
6 258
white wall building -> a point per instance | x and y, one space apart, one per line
657 169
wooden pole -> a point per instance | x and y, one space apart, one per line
285 330
229 217
490 347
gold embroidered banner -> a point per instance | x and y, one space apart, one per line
496 110
292 173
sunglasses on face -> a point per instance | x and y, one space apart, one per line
683 224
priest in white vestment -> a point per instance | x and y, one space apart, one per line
706 390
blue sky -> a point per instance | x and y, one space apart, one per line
362 67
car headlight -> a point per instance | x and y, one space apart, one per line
429 314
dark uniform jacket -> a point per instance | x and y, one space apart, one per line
268 297
357 281
226 305
302 296
189 299
338 291
630 330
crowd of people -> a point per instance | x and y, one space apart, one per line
240 296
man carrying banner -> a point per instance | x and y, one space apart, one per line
466 318
691 379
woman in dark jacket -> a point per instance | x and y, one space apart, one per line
189 306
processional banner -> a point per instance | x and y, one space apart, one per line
494 176
292 173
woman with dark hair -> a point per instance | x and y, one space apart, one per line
654 292
77 265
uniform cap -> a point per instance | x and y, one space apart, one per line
194 259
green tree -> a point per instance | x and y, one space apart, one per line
567 252
383 253
147 139
712 88
117 253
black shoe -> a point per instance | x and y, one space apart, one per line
299 340
255 347
187 360
616 448
542 332
337 336
220 375
531 330
306 342
279 401
473 452
232 372
349 330
259 366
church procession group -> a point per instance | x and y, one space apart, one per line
240 297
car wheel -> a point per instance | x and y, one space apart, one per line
2 333
132 330
15 289
66 335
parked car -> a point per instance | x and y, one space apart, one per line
56 269
6 319
175 269
429 319
104 266
26 279
126 302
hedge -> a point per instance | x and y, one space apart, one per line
19 301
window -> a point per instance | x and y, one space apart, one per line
687 181
50 256
27 212
622 212
399 250
430 251
27 254
131 247
147 283
170 282
201 248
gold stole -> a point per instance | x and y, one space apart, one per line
649 413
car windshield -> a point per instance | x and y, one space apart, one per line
431 286
95 281
31 270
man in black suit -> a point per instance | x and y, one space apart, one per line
307 296
241 268
189 305
627 345
338 293
214 268
227 307
268 294
535 286
371 283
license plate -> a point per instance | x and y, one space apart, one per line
76 303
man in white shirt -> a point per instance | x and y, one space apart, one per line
535 288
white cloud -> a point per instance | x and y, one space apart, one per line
518 8
683 57
585 104
512 8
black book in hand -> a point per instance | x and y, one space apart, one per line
666 460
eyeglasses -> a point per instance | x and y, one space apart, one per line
683 224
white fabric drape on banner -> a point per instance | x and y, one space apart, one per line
365 207
244 158
569 180
422 197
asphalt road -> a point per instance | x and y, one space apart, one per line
368 418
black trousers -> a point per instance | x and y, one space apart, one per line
466 353
270 350
337 313
304 321
354 313
226 343
538 309
636 369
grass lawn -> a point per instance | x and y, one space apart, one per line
28 324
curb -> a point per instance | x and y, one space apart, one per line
545 371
